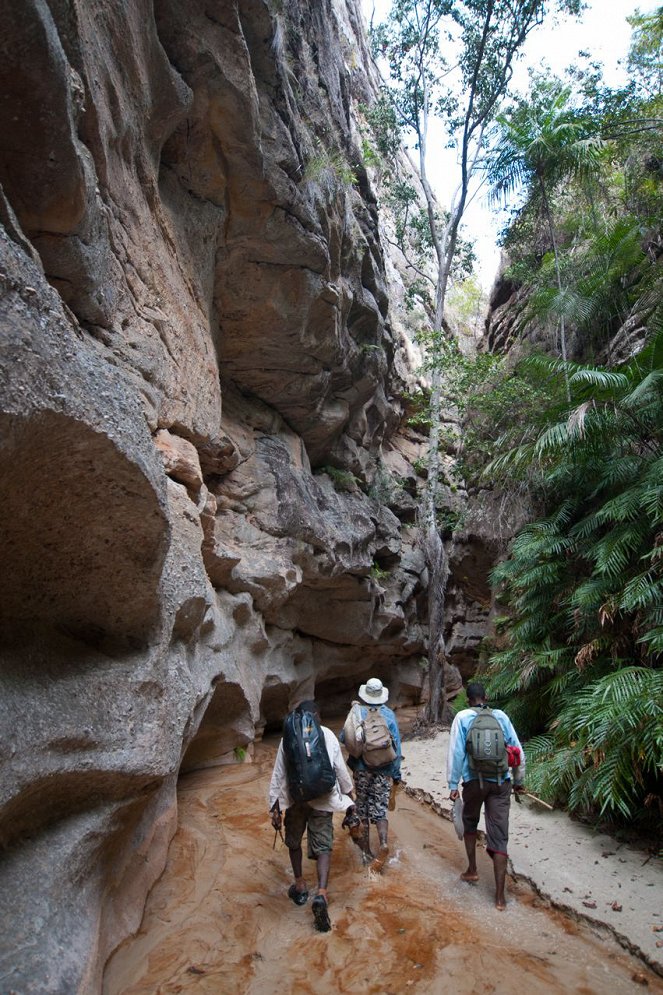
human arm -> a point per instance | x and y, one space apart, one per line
343 776
456 755
279 798
396 739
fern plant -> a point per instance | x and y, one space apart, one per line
581 670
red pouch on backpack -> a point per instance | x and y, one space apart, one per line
513 754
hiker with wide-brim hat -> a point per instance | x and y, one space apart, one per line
373 740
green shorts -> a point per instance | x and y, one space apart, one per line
319 828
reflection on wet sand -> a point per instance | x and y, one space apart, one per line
218 922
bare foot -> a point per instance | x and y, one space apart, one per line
500 905
469 876
381 858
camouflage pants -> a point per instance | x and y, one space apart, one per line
373 792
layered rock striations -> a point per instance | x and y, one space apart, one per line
206 515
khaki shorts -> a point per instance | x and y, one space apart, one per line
319 828
497 800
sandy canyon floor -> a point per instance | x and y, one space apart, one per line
218 922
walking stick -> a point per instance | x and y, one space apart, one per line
528 794
539 800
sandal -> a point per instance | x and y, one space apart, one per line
298 897
320 914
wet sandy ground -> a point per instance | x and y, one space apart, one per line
218 922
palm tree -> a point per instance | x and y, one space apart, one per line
541 142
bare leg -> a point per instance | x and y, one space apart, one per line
471 851
296 861
499 866
323 861
363 841
382 828
319 904
379 862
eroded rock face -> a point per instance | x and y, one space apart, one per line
199 386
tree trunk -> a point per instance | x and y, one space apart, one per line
558 274
437 560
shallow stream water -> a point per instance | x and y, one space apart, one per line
219 922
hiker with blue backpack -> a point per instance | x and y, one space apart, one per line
372 739
483 746
310 782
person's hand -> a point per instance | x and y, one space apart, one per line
519 789
453 795
353 794
277 819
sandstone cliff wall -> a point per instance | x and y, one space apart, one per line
206 514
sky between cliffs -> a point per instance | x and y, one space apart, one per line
602 31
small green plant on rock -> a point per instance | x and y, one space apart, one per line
449 521
332 163
417 408
343 480
378 573
420 466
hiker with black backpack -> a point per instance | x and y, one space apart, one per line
483 745
372 739
310 782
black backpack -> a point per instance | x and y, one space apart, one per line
486 747
307 765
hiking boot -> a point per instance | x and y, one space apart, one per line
381 858
320 914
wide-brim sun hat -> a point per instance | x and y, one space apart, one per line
373 692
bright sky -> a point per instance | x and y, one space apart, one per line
602 31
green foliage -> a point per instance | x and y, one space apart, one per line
449 521
611 761
417 408
328 163
420 466
467 304
645 58
541 141
239 753
460 702
494 400
581 669
586 161
343 480
368 154
377 572
383 122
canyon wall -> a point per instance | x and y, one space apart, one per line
206 515
208 493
